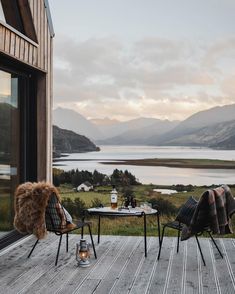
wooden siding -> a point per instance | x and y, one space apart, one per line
17 45
38 56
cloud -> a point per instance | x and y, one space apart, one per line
219 51
152 77
228 86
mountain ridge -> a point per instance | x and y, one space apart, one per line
213 122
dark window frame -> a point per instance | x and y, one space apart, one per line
28 130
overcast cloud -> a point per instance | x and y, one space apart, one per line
152 76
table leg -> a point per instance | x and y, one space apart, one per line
159 231
99 230
145 237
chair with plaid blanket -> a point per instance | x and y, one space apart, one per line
59 221
196 217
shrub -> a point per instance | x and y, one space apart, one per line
96 202
165 206
75 207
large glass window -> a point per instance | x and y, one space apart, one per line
9 147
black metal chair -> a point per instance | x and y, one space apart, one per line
183 218
54 215
179 226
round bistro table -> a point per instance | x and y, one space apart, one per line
127 212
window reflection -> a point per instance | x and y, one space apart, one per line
9 147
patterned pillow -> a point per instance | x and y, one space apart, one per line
186 211
55 216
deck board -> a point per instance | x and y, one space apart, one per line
207 272
121 267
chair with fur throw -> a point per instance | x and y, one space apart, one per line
38 209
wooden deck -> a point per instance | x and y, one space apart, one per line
120 268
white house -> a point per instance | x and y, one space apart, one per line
85 187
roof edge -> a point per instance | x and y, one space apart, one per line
49 19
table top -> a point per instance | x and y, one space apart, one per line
137 211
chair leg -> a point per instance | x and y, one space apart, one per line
58 250
178 240
213 240
160 248
199 246
92 242
67 242
35 244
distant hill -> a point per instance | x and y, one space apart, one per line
104 122
218 135
140 131
228 143
65 141
208 117
135 130
71 120
193 129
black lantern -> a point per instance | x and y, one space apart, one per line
83 253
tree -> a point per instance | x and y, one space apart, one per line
121 178
76 179
98 178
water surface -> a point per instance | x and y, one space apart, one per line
151 174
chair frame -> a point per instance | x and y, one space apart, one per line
178 226
80 225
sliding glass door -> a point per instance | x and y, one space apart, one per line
9 147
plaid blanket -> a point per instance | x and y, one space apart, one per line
213 211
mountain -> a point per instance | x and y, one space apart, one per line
65 141
72 120
104 121
140 135
228 143
208 117
196 122
218 135
126 128
210 128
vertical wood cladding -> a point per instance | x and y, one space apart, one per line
38 55
24 49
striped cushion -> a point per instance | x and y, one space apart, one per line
186 211
55 216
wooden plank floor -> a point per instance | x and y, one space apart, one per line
120 268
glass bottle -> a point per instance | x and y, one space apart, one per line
114 198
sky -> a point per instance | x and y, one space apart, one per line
125 59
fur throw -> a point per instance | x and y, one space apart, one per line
31 200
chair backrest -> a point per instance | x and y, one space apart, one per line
55 215
186 211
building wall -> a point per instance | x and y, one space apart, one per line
37 56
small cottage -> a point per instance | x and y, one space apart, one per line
85 187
